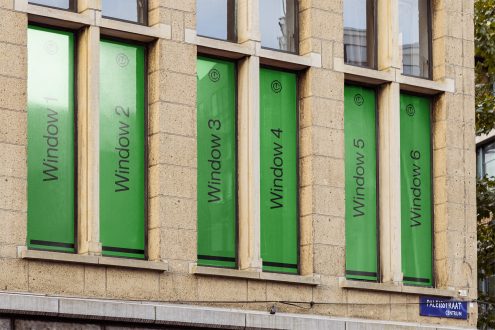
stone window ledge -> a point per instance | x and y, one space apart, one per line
24 253
357 73
313 280
218 47
69 18
235 50
287 60
407 83
110 27
386 287
426 86
137 32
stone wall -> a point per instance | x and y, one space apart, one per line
172 167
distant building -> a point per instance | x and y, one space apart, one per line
485 166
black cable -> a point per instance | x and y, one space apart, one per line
310 303
285 302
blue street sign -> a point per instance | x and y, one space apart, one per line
438 307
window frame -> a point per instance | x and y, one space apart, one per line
231 27
75 92
298 74
146 197
296 34
145 21
76 122
429 9
432 186
375 41
237 130
379 277
480 156
72 7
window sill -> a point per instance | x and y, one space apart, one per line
217 47
235 50
134 31
287 60
384 287
110 27
362 74
53 16
312 280
24 253
420 85
407 83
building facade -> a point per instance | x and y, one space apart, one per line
241 164
484 168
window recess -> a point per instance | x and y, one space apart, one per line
122 149
360 33
51 140
416 190
60 4
217 163
135 11
279 171
279 25
216 19
361 183
415 37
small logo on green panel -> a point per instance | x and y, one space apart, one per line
276 86
51 47
410 110
122 60
214 75
358 100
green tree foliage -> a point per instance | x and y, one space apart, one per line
485 199
485 65
485 122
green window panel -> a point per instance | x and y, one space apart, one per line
122 149
51 153
278 170
217 173
416 190
360 183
